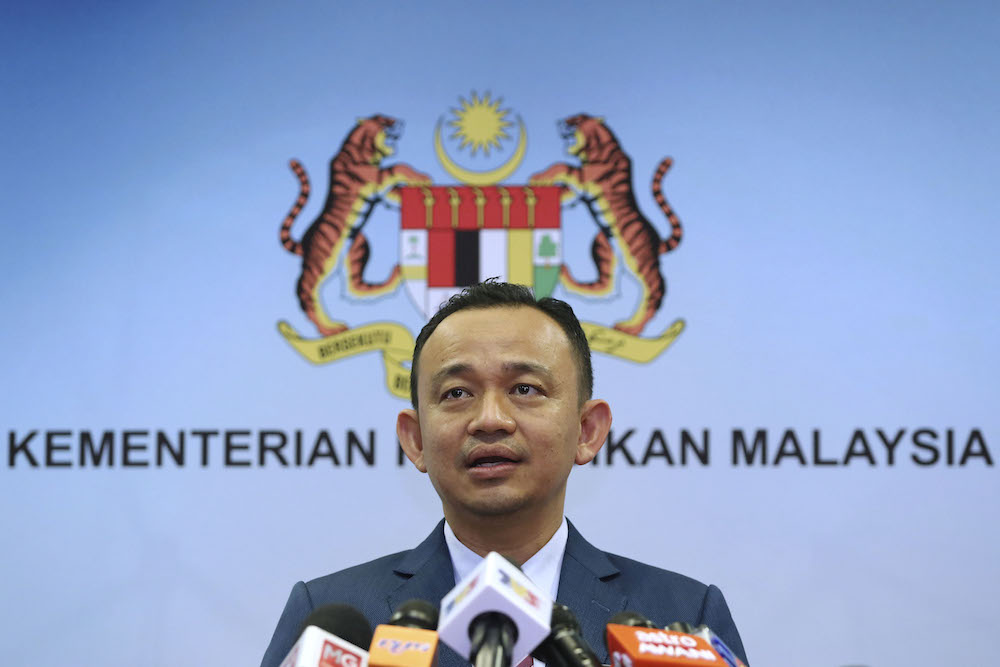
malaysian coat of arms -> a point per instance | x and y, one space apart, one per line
454 235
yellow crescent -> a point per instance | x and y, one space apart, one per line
470 177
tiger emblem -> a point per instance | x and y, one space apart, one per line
358 182
603 182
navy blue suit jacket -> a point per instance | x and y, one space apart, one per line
594 584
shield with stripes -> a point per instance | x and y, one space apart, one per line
456 236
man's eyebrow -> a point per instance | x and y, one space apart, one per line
527 367
453 370
448 371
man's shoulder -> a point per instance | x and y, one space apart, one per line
355 578
381 575
371 588
636 573
635 578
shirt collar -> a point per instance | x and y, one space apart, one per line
543 568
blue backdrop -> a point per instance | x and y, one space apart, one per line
835 170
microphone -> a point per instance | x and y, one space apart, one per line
409 639
705 632
496 616
565 646
419 614
641 644
632 618
331 636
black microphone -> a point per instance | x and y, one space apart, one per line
632 618
342 620
491 637
416 613
565 646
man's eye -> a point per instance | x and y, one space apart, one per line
524 390
456 393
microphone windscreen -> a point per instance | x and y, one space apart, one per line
632 618
565 646
416 614
563 617
341 620
682 626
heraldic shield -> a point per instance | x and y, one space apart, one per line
456 236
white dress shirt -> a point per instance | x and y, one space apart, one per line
542 568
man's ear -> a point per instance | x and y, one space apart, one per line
595 422
408 432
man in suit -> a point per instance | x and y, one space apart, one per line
501 389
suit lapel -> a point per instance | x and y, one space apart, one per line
426 573
588 586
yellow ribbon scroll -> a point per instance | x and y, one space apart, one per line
626 346
394 341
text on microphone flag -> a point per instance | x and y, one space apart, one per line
630 646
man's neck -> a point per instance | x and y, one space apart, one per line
514 536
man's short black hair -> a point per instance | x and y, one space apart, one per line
495 294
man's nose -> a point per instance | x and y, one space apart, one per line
493 414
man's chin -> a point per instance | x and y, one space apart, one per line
497 504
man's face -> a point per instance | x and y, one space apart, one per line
500 422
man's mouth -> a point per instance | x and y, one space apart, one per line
490 462
488 457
